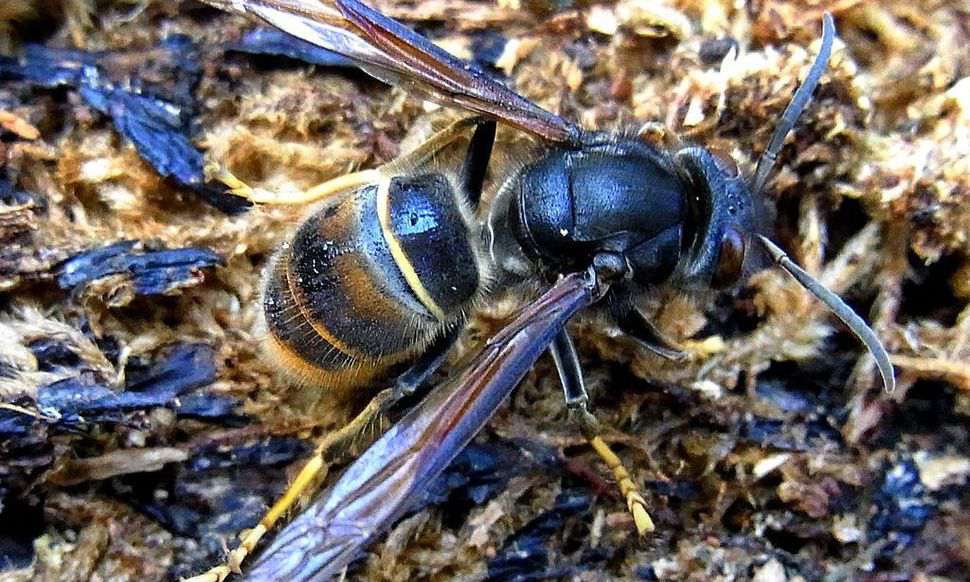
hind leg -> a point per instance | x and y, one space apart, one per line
417 157
358 433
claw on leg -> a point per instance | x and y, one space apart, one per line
236 186
217 574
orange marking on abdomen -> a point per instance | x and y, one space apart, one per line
300 300
343 380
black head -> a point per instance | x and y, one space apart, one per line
726 218
722 216
725 210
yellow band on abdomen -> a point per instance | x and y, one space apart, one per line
400 257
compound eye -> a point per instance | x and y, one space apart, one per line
725 163
730 260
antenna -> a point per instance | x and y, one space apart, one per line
802 97
839 308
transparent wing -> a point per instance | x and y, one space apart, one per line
379 486
397 55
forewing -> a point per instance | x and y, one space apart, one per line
395 54
378 487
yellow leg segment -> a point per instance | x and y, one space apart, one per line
415 158
318 192
634 501
631 493
306 481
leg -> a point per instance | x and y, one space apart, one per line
417 157
476 161
332 445
406 384
634 324
318 192
305 483
577 401
421 369
434 145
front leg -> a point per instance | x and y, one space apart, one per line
632 322
577 402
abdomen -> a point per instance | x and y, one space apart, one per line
368 281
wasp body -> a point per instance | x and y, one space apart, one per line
373 276
387 272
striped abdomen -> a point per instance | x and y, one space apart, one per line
369 280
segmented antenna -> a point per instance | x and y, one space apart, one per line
839 308
766 163
803 96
